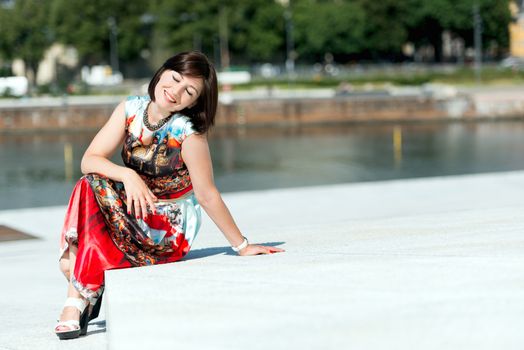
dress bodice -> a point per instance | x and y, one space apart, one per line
156 155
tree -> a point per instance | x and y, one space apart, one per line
335 27
25 33
430 18
384 29
254 28
85 25
257 28
183 26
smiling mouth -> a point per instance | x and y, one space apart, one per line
170 97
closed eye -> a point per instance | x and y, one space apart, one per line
190 94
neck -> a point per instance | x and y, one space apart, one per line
156 113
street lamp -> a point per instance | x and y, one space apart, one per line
477 25
113 44
290 49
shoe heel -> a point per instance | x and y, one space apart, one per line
84 321
96 309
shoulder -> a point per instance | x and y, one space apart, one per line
134 106
135 103
181 127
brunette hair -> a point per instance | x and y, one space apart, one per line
196 65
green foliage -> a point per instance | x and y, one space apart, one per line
255 29
384 30
428 19
182 26
85 25
24 31
334 26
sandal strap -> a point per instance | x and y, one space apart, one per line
72 324
80 304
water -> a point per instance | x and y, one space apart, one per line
40 170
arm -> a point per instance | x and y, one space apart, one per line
195 152
96 160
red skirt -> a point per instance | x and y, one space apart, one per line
108 238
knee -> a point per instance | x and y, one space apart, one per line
64 267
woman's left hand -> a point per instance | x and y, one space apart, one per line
254 249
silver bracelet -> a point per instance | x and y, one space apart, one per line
242 245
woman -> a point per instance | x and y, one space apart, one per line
148 211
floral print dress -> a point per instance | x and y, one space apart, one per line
97 219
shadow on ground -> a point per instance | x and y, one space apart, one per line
100 327
206 252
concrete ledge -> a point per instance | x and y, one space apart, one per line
431 263
432 269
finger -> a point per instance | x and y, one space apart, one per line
271 250
137 208
275 250
129 205
143 204
151 203
153 196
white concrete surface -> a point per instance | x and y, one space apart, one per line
414 264
32 288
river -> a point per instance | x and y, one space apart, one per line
40 170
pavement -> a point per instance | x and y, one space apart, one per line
433 263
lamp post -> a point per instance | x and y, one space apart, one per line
113 44
290 49
477 24
224 38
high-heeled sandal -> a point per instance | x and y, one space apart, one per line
96 309
76 327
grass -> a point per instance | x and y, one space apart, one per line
461 76
491 75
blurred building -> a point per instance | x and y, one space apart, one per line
57 55
516 29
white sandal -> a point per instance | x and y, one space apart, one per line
76 327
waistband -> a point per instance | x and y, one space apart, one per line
173 197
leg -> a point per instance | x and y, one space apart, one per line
70 312
71 290
65 264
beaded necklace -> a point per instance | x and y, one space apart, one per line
157 126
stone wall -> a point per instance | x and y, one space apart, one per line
72 117
341 109
257 112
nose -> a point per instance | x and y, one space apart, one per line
177 90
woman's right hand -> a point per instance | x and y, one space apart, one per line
139 196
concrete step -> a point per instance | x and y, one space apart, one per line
428 281
421 263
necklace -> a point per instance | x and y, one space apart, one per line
157 126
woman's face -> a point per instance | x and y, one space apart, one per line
175 92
